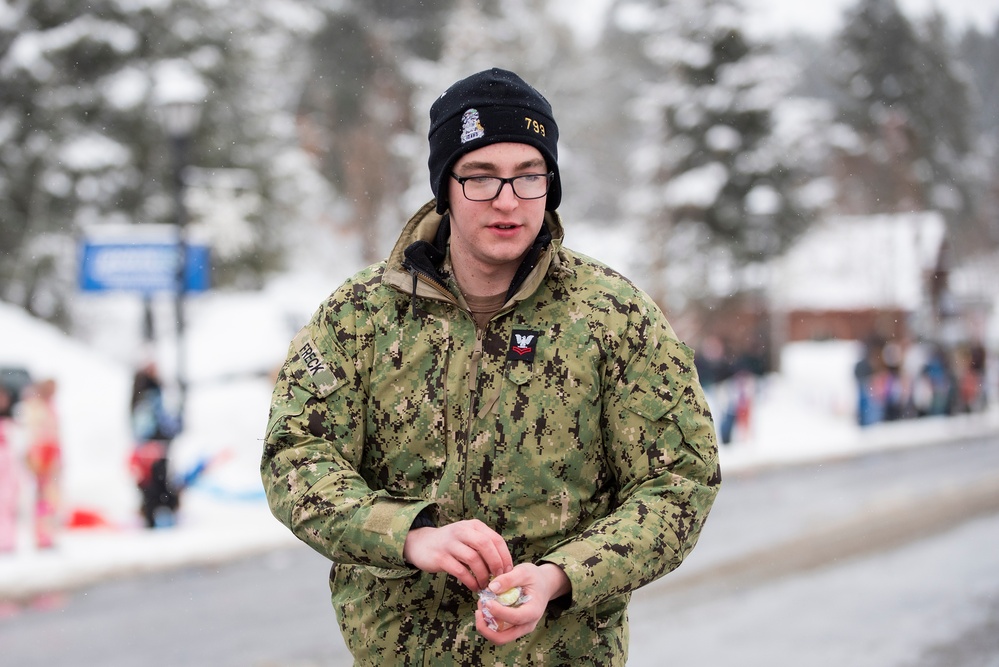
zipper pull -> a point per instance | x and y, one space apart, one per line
412 298
473 373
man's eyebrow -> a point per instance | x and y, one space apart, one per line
491 166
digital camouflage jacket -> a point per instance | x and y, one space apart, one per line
574 425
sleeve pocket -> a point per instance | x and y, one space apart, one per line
660 379
310 372
322 371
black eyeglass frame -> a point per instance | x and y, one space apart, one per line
503 181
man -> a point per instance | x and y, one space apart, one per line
487 409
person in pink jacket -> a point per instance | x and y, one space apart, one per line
44 459
9 487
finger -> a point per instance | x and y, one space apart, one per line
460 571
492 634
479 572
487 562
474 565
506 631
517 576
500 584
481 549
497 556
491 548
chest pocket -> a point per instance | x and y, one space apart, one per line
519 373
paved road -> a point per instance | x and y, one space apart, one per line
890 560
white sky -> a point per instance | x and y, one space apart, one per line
772 16
822 17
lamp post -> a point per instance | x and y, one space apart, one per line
180 115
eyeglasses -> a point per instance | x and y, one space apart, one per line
488 188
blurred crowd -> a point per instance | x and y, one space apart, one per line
730 379
32 461
902 381
894 380
31 457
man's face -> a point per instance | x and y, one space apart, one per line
498 232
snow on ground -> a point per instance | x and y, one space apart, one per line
235 343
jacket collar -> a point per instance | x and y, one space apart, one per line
415 262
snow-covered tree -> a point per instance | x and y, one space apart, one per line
909 104
713 184
81 141
980 54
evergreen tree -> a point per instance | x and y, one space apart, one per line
980 54
910 106
709 178
82 145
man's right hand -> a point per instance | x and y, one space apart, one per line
469 550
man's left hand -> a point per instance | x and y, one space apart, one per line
541 583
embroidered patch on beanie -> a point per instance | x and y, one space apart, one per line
471 127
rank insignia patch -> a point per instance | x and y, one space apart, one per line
523 344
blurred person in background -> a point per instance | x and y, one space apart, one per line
933 388
969 365
153 429
488 411
869 410
44 458
10 487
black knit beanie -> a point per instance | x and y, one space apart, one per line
486 108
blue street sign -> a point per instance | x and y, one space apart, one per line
144 267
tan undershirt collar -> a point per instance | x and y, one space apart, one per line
484 307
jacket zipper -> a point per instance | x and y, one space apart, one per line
473 378
428 278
